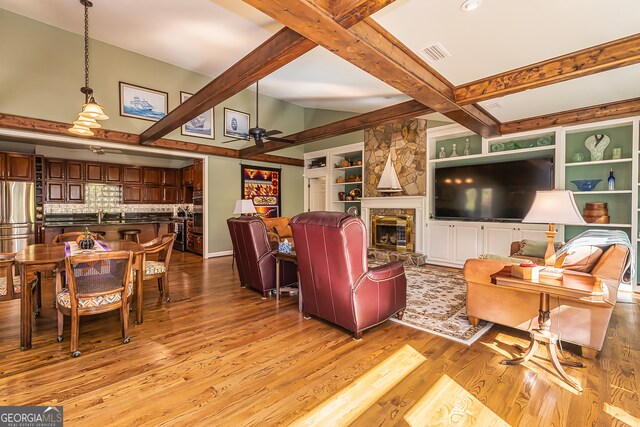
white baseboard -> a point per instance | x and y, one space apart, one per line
219 254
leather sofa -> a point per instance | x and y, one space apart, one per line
584 324
278 229
255 255
336 283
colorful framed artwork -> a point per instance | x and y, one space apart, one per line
201 126
143 103
262 185
236 124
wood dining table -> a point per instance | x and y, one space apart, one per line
50 257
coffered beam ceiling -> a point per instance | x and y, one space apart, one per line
352 124
594 113
373 49
603 57
279 50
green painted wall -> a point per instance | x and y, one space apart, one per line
42 71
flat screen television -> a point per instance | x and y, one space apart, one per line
493 191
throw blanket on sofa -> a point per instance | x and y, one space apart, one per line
603 238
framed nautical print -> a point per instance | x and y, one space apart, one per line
236 124
201 126
262 185
143 103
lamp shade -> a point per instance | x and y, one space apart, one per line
554 207
93 111
244 206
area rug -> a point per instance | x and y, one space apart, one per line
436 303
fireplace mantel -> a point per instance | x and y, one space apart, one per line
399 202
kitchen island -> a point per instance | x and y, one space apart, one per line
150 225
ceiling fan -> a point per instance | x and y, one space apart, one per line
99 150
260 135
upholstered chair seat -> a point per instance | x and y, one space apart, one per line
4 289
64 298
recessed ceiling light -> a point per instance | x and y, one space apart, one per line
469 5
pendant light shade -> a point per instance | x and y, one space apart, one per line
91 110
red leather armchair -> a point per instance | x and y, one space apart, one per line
255 256
335 280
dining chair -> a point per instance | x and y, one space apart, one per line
97 283
158 267
71 236
11 283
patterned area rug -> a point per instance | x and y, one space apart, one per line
436 303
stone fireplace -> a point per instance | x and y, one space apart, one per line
393 230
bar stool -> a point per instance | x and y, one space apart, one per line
131 235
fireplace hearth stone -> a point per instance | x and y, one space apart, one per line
408 258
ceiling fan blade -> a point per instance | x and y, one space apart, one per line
234 140
272 132
111 150
276 139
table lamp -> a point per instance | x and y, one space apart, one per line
244 207
553 207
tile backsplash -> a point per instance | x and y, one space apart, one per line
108 198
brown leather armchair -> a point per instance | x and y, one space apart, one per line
584 324
255 255
335 281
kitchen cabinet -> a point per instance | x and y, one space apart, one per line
55 169
195 243
113 174
3 169
55 192
152 176
152 194
19 167
132 193
170 177
75 171
132 174
187 175
75 192
198 175
94 172
170 195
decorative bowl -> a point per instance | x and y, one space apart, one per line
586 184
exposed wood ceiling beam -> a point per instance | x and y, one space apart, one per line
619 109
603 57
279 50
352 124
371 48
132 140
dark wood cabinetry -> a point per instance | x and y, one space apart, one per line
132 174
113 174
170 177
19 167
152 194
55 191
3 169
54 169
75 192
198 175
187 175
152 176
94 172
132 194
75 171
170 194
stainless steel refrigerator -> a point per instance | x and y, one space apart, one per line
17 215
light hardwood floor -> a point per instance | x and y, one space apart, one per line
220 355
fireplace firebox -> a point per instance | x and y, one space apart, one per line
392 232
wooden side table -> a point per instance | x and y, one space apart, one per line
292 257
585 288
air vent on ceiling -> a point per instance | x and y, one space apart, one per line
492 106
436 52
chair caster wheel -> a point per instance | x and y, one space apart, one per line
168 299
161 292
59 338
131 309
37 314
127 340
75 354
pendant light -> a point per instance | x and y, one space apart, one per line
91 110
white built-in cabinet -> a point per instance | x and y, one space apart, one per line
453 242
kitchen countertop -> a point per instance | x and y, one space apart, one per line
70 221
